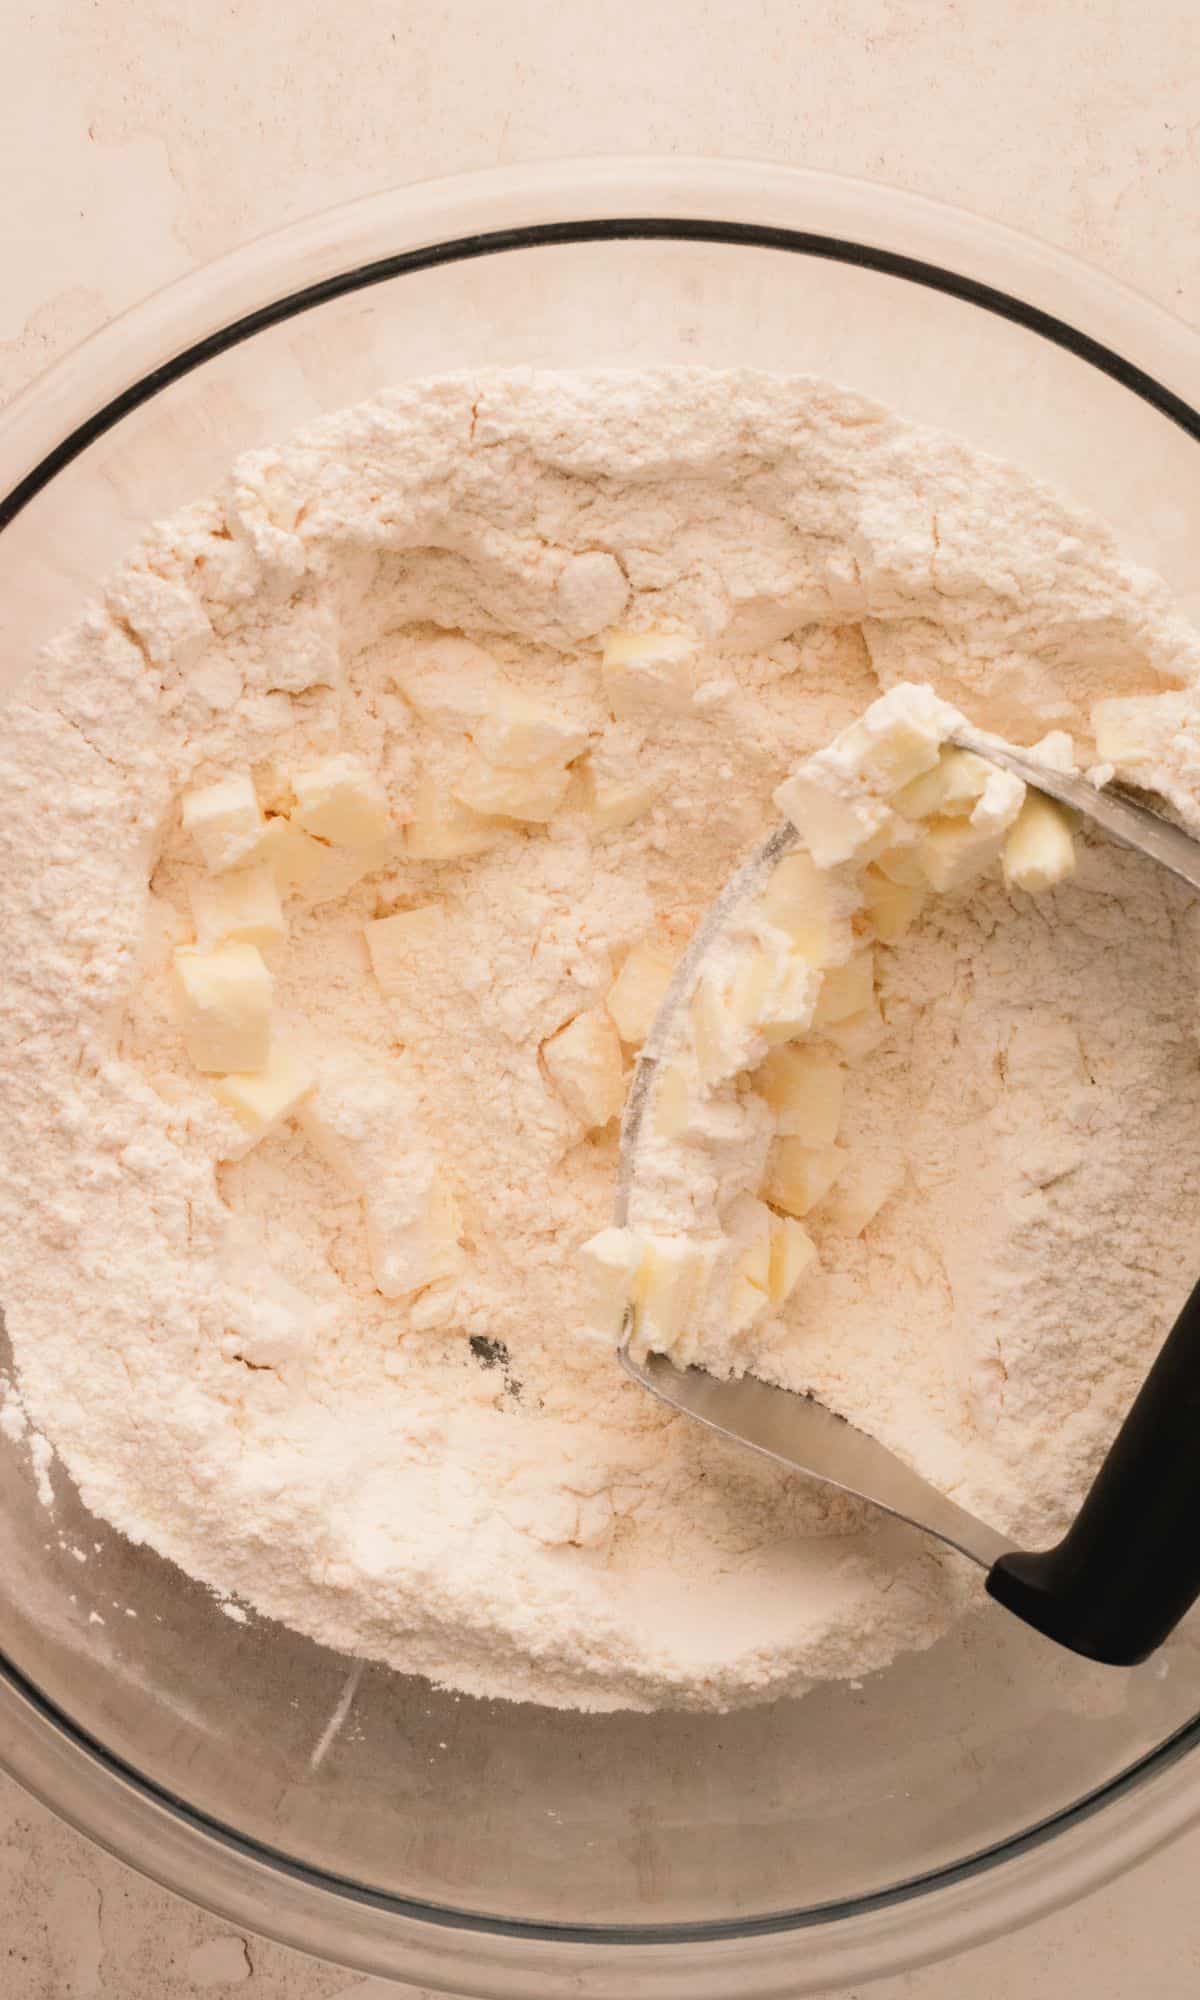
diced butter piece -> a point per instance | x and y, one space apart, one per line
362 1117
956 852
803 1087
413 1233
1136 730
243 905
801 900
1040 849
903 865
226 1006
799 1176
1056 751
949 789
720 1042
755 972
533 793
450 681
791 1002
672 1291
264 1099
224 820
649 674
672 1101
615 800
857 1034
399 945
747 1301
522 732
895 741
749 1227
610 1262
891 906
640 988
293 856
441 829
793 1252
862 1190
308 868
834 826
583 1062
339 800
845 989
1000 801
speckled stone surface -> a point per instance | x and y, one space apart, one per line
132 151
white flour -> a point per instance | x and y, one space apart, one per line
509 1517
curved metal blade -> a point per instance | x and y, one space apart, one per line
806 1437
1122 818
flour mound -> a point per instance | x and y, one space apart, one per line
462 1484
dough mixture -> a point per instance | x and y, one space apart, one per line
329 840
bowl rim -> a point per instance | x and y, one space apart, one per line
87 392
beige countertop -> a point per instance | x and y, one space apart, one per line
132 153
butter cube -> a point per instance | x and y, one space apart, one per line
802 901
857 1034
308 868
834 826
225 821
533 793
615 800
226 1006
894 742
399 945
1134 730
799 1176
413 1233
793 1252
363 1119
523 733
583 1062
791 1002
749 1225
610 1262
891 906
950 789
803 1087
648 674
845 989
243 905
293 856
263 1100
956 852
672 1101
640 988
672 1291
902 865
1056 751
747 1301
755 973
339 800
1000 801
861 1192
1040 849
720 1042
442 829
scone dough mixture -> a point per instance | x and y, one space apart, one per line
292 1194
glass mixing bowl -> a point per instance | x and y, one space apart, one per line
472 1846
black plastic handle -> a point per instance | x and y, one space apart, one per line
1129 1567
